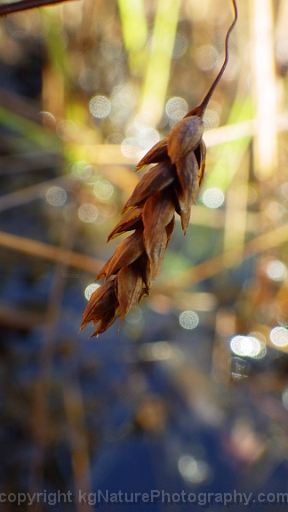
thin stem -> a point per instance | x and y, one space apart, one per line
202 107
23 5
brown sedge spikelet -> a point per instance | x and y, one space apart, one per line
170 186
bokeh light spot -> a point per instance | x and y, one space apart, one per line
100 106
192 470
273 210
125 96
180 46
135 315
103 190
279 336
188 319
144 120
206 57
82 170
276 270
213 197
211 119
130 147
247 346
285 398
56 196
232 69
88 212
147 138
176 108
91 288
114 138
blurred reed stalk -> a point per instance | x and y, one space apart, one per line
264 80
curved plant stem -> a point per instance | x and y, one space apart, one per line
202 107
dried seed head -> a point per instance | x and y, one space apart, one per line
168 187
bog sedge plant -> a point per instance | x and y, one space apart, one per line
169 187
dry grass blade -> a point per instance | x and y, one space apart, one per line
168 187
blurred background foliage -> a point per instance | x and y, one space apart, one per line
192 392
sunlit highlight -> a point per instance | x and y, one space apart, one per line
130 147
285 398
263 66
247 346
162 45
82 170
103 190
262 340
147 138
114 138
88 212
188 320
135 315
144 120
279 336
56 196
206 57
91 288
159 351
211 119
180 46
276 270
192 470
100 106
176 108
213 197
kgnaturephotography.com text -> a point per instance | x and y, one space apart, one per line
203 499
